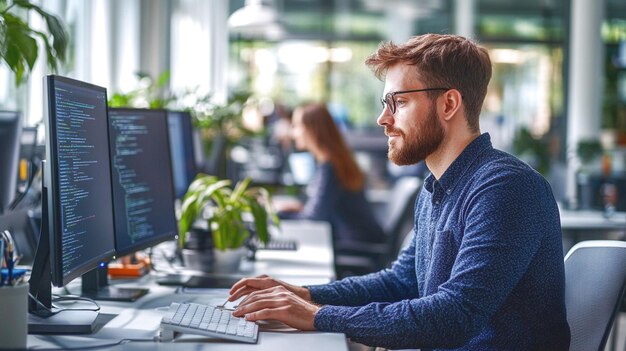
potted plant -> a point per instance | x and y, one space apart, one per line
216 221
589 151
18 41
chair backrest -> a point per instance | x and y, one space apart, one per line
399 211
595 276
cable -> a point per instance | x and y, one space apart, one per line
66 298
120 342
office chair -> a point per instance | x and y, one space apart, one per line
595 276
361 257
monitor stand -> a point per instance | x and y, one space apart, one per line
42 319
95 285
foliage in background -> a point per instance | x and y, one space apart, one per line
18 41
152 93
589 150
226 209
224 119
532 150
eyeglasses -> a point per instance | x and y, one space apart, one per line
390 102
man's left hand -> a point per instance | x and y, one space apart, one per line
279 304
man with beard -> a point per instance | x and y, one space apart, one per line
484 270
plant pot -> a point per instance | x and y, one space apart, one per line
199 239
228 261
198 260
214 261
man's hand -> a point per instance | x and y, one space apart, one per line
278 303
248 285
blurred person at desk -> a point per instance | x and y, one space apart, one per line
335 193
484 270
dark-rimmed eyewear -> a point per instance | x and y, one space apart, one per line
390 102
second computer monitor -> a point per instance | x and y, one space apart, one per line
142 179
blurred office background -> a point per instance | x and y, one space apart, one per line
557 98
559 82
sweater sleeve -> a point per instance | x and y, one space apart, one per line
494 254
394 284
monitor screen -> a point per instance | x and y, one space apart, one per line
10 127
77 178
142 179
302 167
182 149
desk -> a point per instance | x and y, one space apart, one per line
312 263
578 225
592 220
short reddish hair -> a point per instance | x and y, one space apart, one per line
441 61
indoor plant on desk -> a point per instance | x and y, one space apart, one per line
213 228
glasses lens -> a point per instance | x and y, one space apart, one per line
382 102
391 103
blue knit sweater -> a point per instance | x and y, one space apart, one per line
484 270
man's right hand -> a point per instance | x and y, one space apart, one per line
247 285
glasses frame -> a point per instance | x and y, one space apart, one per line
392 95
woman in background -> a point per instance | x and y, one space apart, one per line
335 193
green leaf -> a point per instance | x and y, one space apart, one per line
55 27
18 37
208 191
189 212
60 37
239 189
260 220
164 77
18 43
49 54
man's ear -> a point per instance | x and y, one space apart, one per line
449 104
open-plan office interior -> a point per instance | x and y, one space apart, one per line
151 156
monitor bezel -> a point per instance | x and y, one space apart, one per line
162 237
51 172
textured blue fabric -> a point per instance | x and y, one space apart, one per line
484 270
327 201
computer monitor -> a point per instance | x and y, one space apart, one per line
77 201
10 130
302 167
143 192
182 150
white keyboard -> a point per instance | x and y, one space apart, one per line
193 318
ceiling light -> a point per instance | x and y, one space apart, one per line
253 16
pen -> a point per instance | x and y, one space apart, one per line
8 255
1 259
10 262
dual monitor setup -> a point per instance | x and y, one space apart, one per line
110 180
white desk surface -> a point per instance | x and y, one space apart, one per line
591 220
312 263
